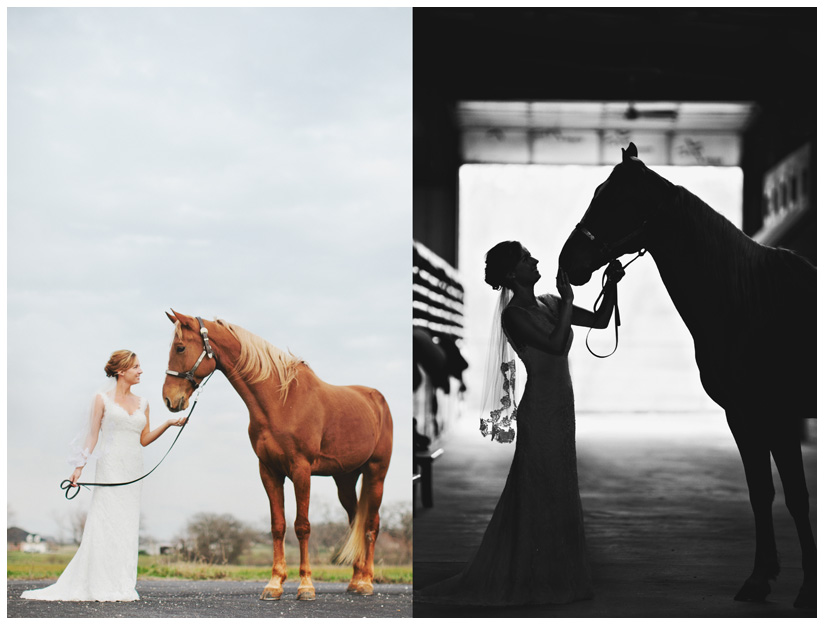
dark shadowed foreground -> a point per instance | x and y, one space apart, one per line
667 516
177 598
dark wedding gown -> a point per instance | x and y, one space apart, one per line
533 551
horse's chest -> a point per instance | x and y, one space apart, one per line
273 449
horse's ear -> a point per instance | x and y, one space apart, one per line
172 318
184 320
631 152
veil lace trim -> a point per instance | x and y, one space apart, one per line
499 411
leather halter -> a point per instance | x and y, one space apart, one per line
207 352
608 249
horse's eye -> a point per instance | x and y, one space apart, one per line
180 349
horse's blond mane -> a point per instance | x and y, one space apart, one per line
259 359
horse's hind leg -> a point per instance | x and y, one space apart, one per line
755 452
346 492
372 492
787 454
274 485
348 498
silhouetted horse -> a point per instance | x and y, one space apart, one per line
752 312
299 427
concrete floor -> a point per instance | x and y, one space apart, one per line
667 517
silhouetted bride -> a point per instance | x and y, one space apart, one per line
533 551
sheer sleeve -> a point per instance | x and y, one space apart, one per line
88 444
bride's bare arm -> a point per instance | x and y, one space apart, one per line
148 435
601 318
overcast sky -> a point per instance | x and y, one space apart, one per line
247 164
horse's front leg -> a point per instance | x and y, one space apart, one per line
756 458
274 485
301 477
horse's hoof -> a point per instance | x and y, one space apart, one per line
306 593
271 594
753 591
362 589
806 598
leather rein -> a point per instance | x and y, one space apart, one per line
608 251
66 485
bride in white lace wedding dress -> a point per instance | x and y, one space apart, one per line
104 568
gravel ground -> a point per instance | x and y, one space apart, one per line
183 598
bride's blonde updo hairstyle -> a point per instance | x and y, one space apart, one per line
120 361
501 259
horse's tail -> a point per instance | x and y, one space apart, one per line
356 545
355 548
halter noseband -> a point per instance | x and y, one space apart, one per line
608 249
207 352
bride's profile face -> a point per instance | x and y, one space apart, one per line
132 375
526 271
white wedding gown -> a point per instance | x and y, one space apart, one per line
105 565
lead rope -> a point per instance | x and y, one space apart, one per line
617 319
66 485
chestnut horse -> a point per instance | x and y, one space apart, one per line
751 310
299 426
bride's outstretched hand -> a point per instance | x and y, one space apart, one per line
563 285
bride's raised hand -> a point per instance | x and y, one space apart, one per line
563 285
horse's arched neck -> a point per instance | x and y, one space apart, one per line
687 257
227 354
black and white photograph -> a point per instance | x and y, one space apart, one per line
614 312
209 312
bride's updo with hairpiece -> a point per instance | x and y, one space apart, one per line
120 361
501 259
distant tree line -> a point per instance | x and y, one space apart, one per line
222 539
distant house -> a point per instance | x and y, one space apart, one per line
19 540
153 548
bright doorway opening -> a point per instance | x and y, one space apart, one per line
653 369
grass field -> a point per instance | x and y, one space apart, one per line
25 566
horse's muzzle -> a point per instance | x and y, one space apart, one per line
180 406
579 277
